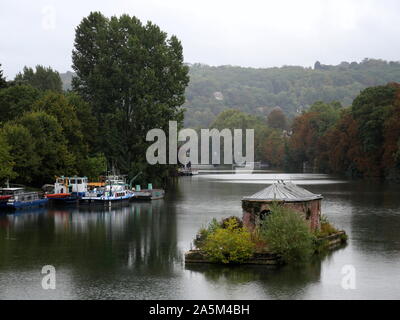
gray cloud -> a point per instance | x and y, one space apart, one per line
248 33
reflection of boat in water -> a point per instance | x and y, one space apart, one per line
68 190
114 192
246 166
187 171
19 198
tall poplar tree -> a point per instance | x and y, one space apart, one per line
135 78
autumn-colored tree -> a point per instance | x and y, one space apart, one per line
308 131
274 148
341 149
277 119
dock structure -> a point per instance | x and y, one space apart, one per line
149 194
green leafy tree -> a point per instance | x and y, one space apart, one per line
371 108
134 77
16 100
22 146
236 119
95 166
89 123
51 147
6 160
57 105
42 78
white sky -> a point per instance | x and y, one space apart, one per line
256 33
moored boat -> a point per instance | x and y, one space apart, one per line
19 198
68 190
114 192
3 201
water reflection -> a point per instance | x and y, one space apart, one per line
135 252
89 243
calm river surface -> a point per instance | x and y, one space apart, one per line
136 252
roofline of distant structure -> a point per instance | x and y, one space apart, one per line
283 200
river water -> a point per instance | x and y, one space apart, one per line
136 252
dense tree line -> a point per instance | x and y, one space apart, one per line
257 91
362 140
130 78
269 133
44 132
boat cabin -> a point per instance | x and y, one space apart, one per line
19 195
77 185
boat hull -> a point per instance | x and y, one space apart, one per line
65 198
16 205
105 201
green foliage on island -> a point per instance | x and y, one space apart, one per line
226 242
294 89
287 234
283 233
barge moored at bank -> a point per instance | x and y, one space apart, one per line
19 198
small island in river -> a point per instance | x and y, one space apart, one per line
280 224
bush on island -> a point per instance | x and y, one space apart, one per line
287 234
229 243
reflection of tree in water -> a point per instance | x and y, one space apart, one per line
375 218
140 237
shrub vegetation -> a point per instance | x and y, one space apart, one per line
227 242
287 235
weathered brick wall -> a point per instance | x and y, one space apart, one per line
310 210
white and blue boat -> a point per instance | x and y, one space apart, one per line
114 192
68 190
19 198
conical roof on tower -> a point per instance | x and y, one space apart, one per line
284 191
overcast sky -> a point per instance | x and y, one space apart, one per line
252 33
